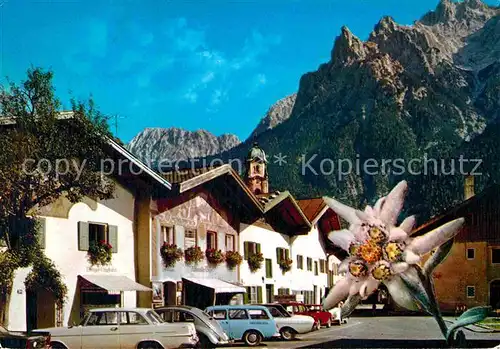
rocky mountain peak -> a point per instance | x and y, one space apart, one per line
279 112
348 48
468 11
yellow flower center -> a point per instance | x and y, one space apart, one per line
382 271
393 251
370 252
358 268
377 235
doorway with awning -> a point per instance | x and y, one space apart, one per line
104 290
205 292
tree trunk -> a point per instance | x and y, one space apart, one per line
5 305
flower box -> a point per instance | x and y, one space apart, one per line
170 254
214 256
193 255
255 261
233 259
100 253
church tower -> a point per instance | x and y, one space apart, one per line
256 177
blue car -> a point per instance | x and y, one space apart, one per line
250 323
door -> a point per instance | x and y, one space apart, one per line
31 310
269 293
134 328
101 331
239 322
221 316
261 321
495 294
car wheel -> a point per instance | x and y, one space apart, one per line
149 345
287 333
204 342
329 323
252 338
56 345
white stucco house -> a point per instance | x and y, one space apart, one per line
67 230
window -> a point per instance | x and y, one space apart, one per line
254 294
132 318
471 291
258 314
211 240
282 254
189 238
309 264
229 242
300 262
168 234
219 314
98 232
94 232
322 266
495 255
250 248
275 312
238 314
315 267
283 291
471 253
269 268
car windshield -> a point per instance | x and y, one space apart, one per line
154 317
283 311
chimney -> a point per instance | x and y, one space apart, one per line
468 187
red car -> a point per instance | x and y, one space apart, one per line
321 316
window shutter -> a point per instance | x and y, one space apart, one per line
287 254
83 236
259 294
278 254
113 237
41 232
245 296
258 248
245 247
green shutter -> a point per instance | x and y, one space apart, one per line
83 236
287 254
269 268
113 237
257 248
246 295
277 254
259 294
245 248
41 232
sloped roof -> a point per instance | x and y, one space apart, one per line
181 175
312 207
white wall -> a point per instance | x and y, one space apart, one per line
308 246
17 309
62 247
269 241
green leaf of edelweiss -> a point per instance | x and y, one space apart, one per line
470 317
437 258
413 281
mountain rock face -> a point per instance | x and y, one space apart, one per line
153 145
278 113
426 91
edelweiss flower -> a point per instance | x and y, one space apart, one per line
379 251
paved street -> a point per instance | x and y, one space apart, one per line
384 332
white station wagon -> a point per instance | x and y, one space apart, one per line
124 328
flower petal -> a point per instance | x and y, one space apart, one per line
338 293
363 216
342 238
400 267
435 238
344 266
378 206
346 212
408 224
355 286
368 287
410 257
400 293
394 203
369 210
397 234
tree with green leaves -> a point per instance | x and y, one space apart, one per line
45 154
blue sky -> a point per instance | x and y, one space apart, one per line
215 65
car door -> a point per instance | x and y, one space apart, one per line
133 328
239 322
101 331
261 321
221 316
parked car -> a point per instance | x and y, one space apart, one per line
208 329
337 315
290 325
250 323
124 328
321 317
17 340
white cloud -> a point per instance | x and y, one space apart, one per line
191 96
209 76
